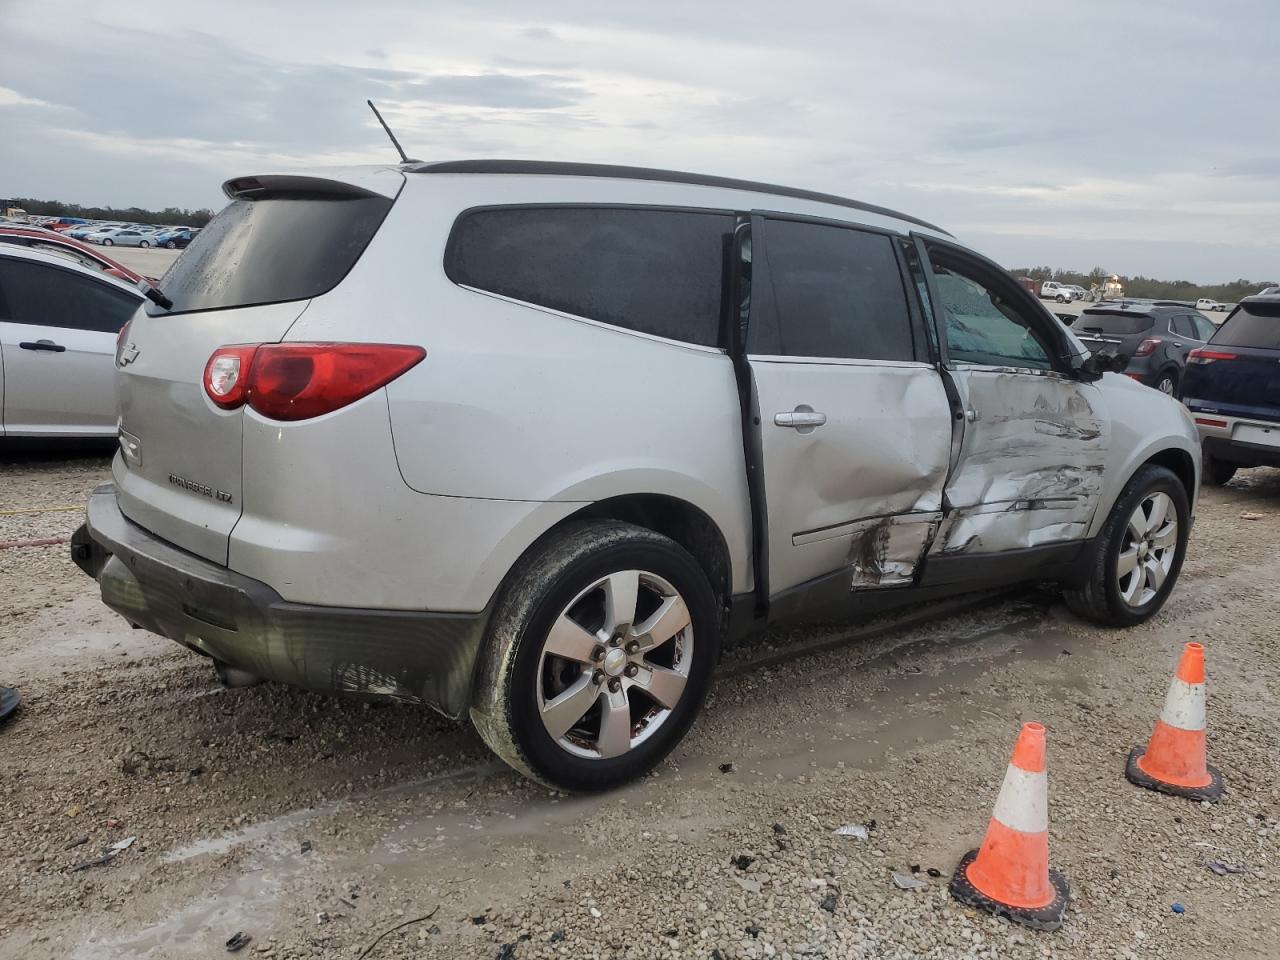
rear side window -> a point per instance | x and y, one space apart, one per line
1252 325
272 250
1183 326
1119 324
44 296
834 292
654 271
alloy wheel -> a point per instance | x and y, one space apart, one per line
1165 385
614 665
1147 549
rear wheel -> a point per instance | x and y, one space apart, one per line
171 245
1139 553
1168 382
599 656
108 242
144 243
1218 472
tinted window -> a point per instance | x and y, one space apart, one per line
1204 327
656 271
835 292
1119 324
1252 325
1183 326
273 250
982 327
46 296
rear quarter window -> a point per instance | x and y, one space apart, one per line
273 250
653 271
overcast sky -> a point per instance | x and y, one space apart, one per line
1142 137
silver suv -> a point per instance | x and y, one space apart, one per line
532 442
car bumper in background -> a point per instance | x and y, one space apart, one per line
412 656
1239 440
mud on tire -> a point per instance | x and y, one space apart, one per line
505 708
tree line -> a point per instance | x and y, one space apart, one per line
169 216
1148 287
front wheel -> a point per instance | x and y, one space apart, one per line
144 244
108 242
598 658
1139 553
171 245
1168 383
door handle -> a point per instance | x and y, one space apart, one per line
1177 343
42 345
803 419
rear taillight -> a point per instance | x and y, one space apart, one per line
1202 356
297 381
1147 347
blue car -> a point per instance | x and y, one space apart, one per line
1232 388
174 239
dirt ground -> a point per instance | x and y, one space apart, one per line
314 825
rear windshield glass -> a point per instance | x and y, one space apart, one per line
273 250
1118 324
1253 325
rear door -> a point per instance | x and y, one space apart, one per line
1028 466
245 279
854 423
58 333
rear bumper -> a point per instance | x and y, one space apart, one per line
1234 439
412 656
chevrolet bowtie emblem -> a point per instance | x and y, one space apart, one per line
128 354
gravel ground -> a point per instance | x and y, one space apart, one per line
314 825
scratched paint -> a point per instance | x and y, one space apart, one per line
1030 465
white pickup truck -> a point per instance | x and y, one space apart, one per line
1205 303
1052 290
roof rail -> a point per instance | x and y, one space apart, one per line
551 168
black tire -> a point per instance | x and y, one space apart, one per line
108 242
1168 375
1099 599
144 243
1218 472
171 245
505 710
1060 298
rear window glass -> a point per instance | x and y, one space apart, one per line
1120 324
273 250
655 271
1253 325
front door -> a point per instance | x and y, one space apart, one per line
58 332
1032 440
854 424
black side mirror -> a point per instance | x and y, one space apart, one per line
1067 318
1096 364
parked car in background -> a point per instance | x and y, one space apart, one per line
1080 292
58 327
123 237
487 531
82 231
1269 291
175 238
63 223
1052 290
1206 303
1156 337
67 246
1232 389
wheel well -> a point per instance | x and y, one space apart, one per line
682 522
1183 467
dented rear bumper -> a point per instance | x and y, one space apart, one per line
413 656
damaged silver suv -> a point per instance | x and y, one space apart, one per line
529 443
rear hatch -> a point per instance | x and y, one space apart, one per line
1113 328
1238 371
245 278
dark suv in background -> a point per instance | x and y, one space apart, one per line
1156 337
1232 389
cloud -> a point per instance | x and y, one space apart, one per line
12 98
501 90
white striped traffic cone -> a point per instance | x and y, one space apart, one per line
1175 759
1009 874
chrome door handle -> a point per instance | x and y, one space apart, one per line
803 418
1177 343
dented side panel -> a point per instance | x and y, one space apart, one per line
1030 466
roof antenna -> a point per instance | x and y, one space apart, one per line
394 142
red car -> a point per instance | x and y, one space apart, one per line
49 240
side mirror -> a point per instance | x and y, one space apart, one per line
1092 367
1067 318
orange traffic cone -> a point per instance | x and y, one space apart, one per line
1009 874
1174 760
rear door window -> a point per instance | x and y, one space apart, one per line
1183 327
653 271
272 250
1252 325
1204 327
833 292
45 296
